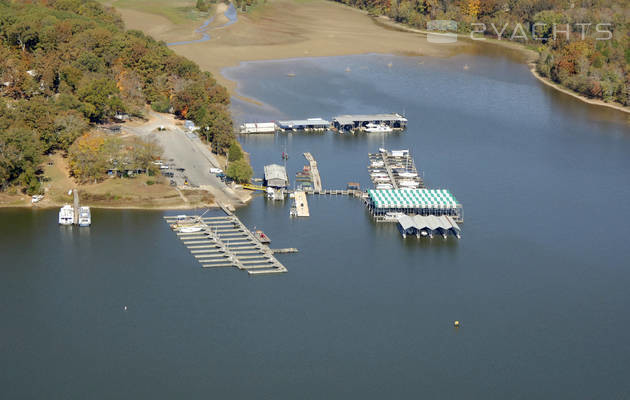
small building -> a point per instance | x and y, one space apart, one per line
258 127
310 124
276 176
355 122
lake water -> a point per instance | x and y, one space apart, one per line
539 279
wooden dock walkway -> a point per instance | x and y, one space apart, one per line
317 181
301 204
226 242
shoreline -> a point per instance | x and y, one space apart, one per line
530 60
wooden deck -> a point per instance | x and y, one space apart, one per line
301 204
317 181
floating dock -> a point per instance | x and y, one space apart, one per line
357 122
394 170
310 124
226 242
317 180
301 204
258 127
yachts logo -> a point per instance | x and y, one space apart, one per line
442 31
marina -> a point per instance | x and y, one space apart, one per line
394 170
225 242
369 123
360 122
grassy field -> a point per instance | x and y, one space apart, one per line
138 192
176 11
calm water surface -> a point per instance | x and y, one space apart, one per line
539 279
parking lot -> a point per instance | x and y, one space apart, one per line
188 159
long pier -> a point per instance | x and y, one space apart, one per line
226 242
317 180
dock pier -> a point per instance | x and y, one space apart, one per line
301 204
317 180
227 242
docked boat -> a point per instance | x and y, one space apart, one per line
377 128
262 238
66 215
407 183
407 174
85 216
384 186
378 163
190 229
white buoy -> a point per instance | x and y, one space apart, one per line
125 308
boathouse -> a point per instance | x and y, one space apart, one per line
353 122
258 127
276 176
310 124
427 225
383 204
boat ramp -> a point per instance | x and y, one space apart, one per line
225 242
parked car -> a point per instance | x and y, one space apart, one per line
180 169
216 171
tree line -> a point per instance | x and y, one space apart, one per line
586 59
66 65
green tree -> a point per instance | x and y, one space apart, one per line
235 153
240 171
101 99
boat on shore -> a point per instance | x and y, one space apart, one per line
66 215
85 216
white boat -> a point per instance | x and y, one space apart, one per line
392 216
66 215
407 174
379 175
37 198
377 128
382 179
384 186
378 163
85 216
408 183
190 229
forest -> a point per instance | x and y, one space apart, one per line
69 65
587 59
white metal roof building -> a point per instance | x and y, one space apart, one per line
304 124
258 127
427 225
276 176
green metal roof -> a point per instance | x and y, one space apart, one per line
413 198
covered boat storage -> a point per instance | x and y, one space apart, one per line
353 122
386 204
427 225
310 124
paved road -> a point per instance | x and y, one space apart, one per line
188 152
